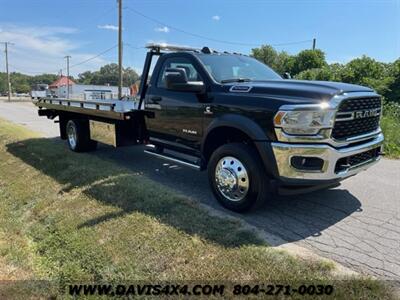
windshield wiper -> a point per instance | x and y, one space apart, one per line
236 80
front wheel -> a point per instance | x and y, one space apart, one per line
237 177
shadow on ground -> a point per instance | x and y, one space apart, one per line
290 218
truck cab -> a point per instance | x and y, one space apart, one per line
254 132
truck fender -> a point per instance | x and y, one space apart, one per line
252 130
248 126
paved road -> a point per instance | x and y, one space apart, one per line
24 113
356 224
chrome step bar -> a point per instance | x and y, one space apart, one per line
175 159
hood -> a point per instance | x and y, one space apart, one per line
299 89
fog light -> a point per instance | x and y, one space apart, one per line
307 163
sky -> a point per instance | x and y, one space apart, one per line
44 31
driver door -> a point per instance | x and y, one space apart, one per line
182 116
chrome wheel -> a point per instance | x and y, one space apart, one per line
72 136
231 178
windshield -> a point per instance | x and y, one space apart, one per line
227 68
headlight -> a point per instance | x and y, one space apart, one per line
304 122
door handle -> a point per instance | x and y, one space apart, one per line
156 99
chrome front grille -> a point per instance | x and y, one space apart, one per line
349 105
357 116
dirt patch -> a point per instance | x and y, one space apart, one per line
10 272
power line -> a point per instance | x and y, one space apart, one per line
94 57
72 66
210 38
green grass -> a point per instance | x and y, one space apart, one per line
67 217
391 128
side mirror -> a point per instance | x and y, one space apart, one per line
176 80
287 75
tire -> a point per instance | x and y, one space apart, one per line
78 136
237 177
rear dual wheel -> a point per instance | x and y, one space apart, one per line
78 136
237 178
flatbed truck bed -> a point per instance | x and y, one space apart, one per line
106 108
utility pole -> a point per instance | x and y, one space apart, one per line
67 57
120 78
7 71
314 43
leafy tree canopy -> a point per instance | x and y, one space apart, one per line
281 62
108 74
308 59
394 84
21 83
312 65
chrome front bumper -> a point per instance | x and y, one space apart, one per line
284 152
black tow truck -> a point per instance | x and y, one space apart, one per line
253 131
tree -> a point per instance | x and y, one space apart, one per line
20 83
3 83
368 72
266 54
393 91
337 70
281 62
85 77
311 65
324 73
331 72
44 78
130 77
359 69
308 59
108 74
